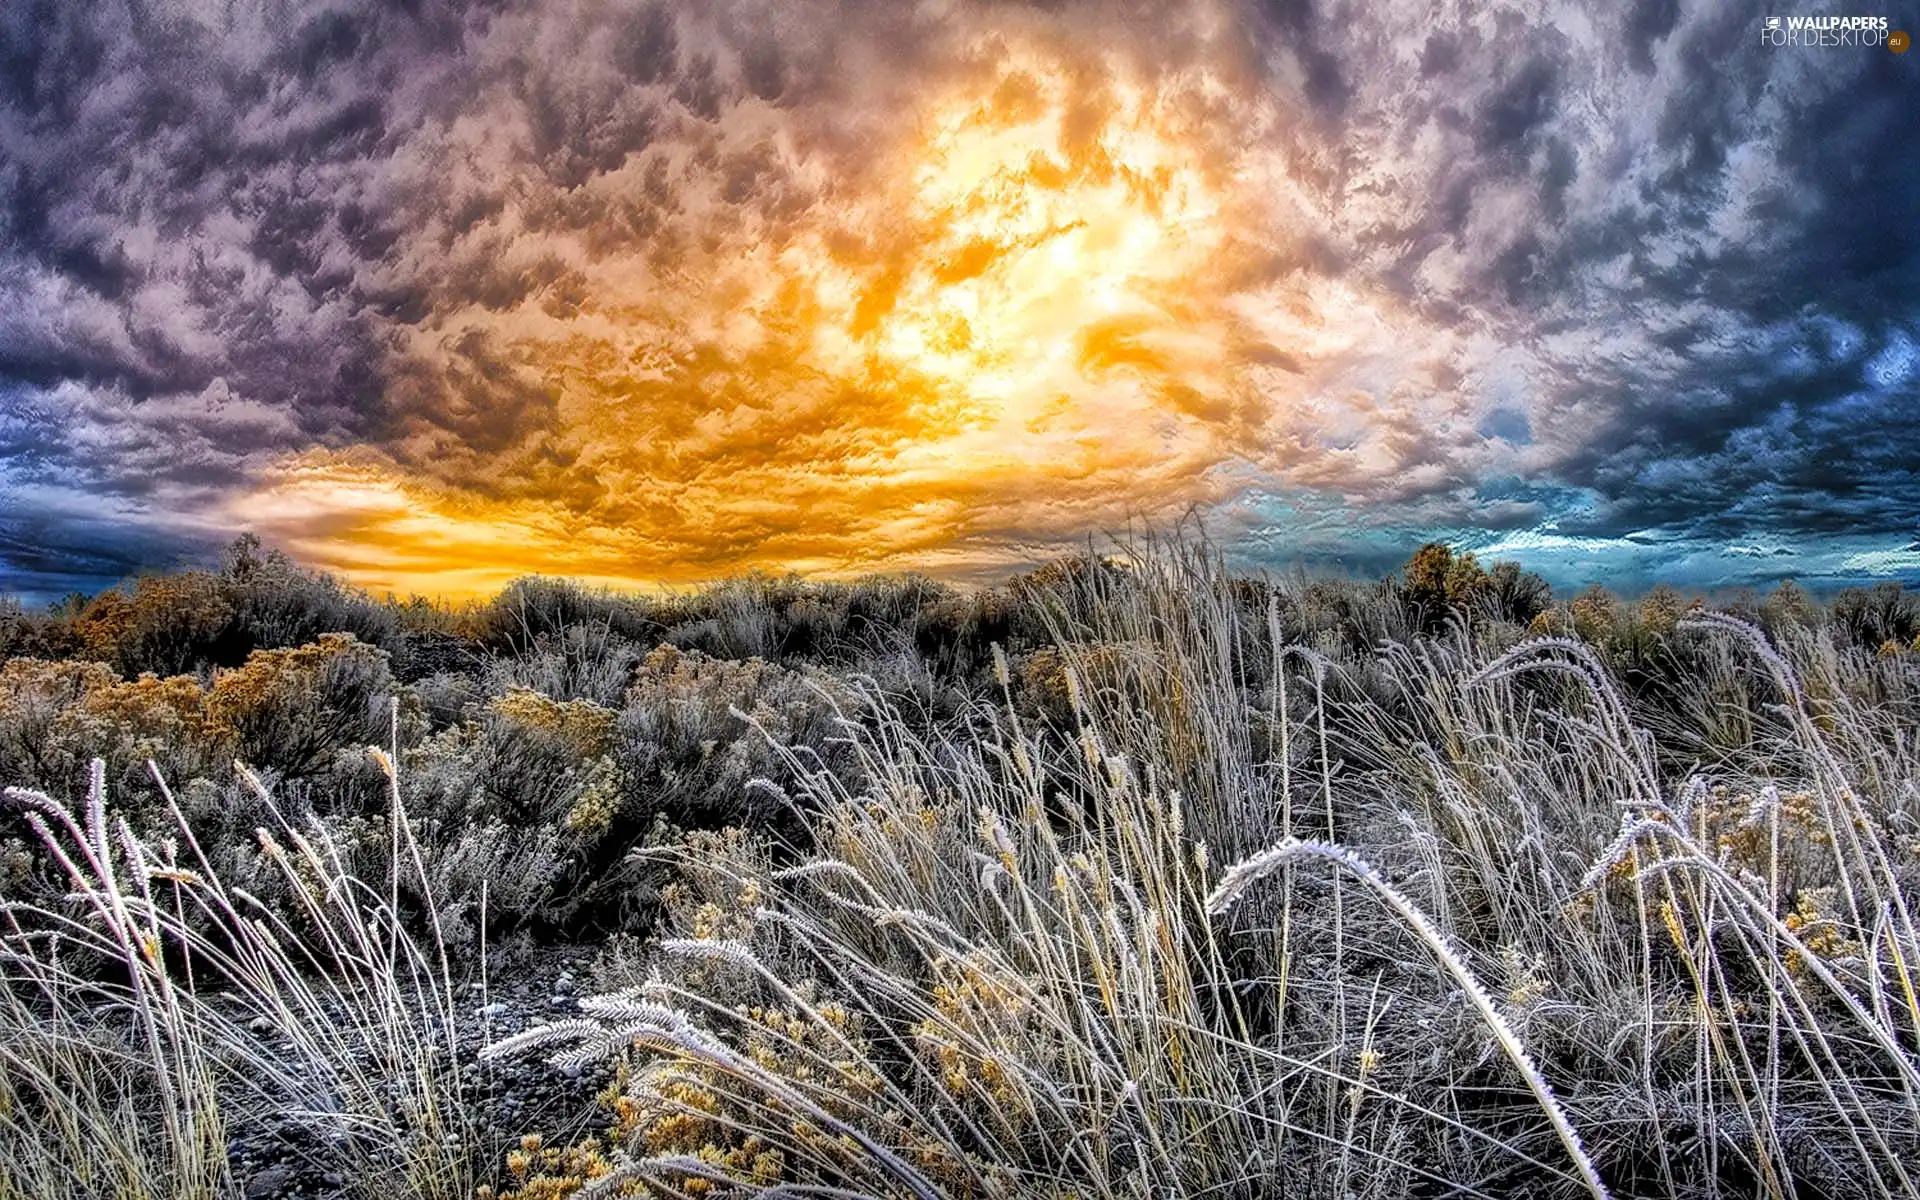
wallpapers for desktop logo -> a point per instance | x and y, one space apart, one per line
1825 31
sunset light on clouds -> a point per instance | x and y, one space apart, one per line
650 293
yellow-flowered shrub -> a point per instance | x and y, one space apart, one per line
166 623
56 716
293 710
1661 609
583 726
1594 614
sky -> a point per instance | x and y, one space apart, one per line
654 291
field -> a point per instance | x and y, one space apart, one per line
1130 877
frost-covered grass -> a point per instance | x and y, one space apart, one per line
1189 887
156 1011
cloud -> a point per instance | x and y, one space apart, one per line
437 293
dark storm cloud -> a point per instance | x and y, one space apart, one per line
49 550
1620 269
1698 243
202 215
455 241
165 251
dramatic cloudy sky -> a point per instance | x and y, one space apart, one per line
436 294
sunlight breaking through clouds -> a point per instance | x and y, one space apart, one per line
655 292
1053 307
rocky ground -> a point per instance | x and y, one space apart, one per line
298 1156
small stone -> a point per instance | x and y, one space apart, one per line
261 1025
268 1184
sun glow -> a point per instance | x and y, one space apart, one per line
1053 292
1019 321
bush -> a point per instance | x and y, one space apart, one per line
535 608
1872 616
680 745
1517 595
55 716
1660 610
581 662
528 798
1439 582
1594 614
22 635
167 624
1436 576
192 622
1787 607
421 653
954 635
290 711
278 605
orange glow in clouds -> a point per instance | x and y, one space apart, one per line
1023 332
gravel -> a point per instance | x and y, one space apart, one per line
305 1155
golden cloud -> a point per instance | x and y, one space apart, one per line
1049 305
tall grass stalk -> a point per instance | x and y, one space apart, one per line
161 1010
1008 955
1243 875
